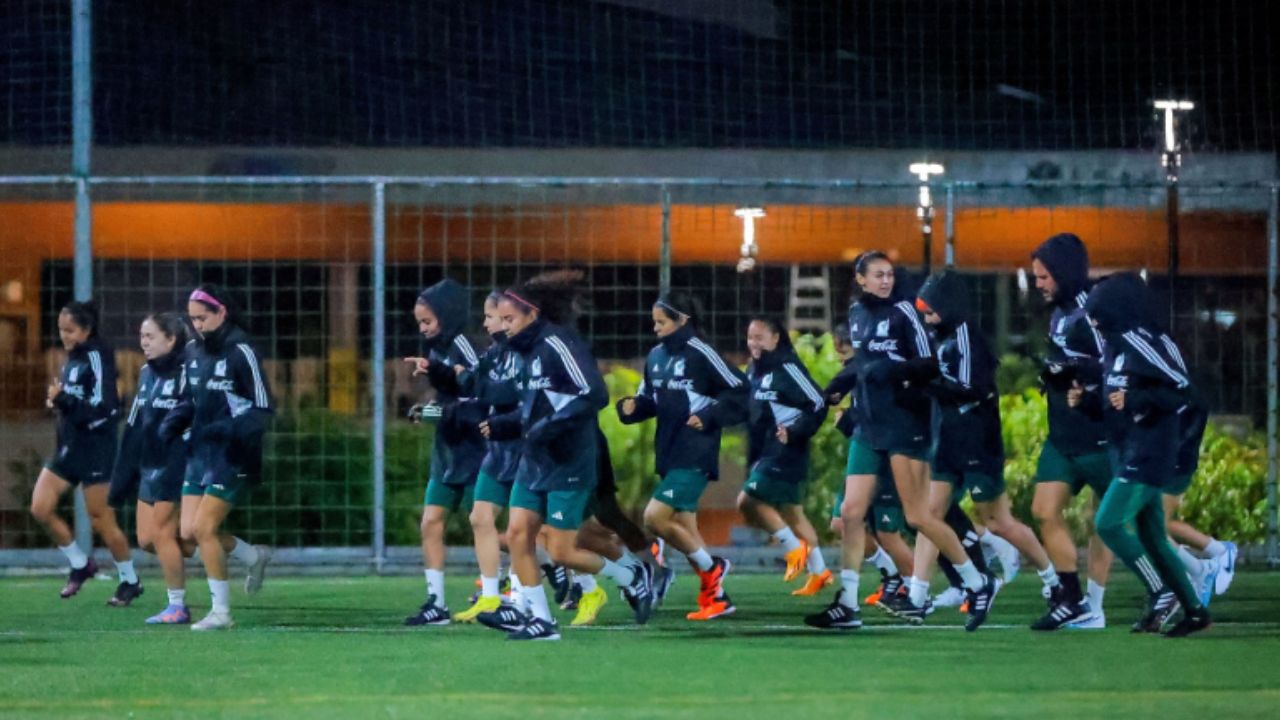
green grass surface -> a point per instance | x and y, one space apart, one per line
335 648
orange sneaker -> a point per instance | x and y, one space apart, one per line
814 584
874 598
718 607
713 581
796 561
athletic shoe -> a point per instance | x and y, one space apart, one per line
475 594
78 578
1207 580
573 598
713 580
1160 607
1226 568
889 585
258 570
1095 621
980 602
886 602
558 575
1062 615
215 621
1010 561
814 584
506 619
589 606
125 593
639 594
658 550
664 578
797 560
900 606
836 616
1191 622
171 615
429 614
717 607
952 597
482 605
536 629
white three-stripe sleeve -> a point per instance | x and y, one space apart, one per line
259 388
806 385
95 361
966 355
570 364
468 352
1174 352
921 337
1140 344
716 362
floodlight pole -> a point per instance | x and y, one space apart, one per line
1171 160
924 208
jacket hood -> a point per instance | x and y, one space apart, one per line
678 339
448 300
1067 260
947 294
1119 303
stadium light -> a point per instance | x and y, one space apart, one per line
924 206
1170 107
749 215
1171 160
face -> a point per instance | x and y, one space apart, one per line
842 347
428 323
514 318
492 321
153 340
663 325
203 319
1044 281
69 332
932 318
760 339
878 279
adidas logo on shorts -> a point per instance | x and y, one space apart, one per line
669 493
557 515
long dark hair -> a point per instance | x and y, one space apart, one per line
776 325
83 313
556 295
223 298
682 303
172 325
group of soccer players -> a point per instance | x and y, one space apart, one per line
516 429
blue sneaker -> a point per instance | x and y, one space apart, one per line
1226 568
172 615
1208 580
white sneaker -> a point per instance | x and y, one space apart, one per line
1207 580
951 597
1095 621
1010 561
1226 568
253 581
215 621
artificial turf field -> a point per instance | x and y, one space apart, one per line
335 648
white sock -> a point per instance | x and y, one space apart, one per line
220 590
1094 593
970 576
629 559
543 557
244 552
488 586
816 563
536 598
178 596
435 585
75 555
1049 576
849 581
1192 563
585 581
126 572
919 589
517 594
1215 548
701 559
620 574
884 563
786 537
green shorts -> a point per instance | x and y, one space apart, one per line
488 489
232 488
1177 486
561 509
884 500
886 518
980 486
865 460
681 489
773 490
450 497
1093 470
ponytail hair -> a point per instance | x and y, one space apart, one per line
556 295
173 326
679 304
215 298
776 325
84 314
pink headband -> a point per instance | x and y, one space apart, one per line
205 297
522 301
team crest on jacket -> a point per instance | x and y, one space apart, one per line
766 382
1119 364
535 367
71 376
220 368
882 328
168 388
678 368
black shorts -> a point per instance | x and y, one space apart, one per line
84 461
160 485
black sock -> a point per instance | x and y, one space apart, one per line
1071 586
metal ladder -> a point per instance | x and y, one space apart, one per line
809 299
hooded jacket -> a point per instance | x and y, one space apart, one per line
1075 349
684 377
561 390
966 418
782 395
887 335
458 447
88 405
1146 434
161 384
845 382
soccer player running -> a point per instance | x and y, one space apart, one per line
155 466
1143 393
561 392
968 452
457 449
226 407
694 394
786 408
1075 453
891 351
85 400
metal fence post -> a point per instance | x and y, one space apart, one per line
378 380
81 141
951 226
1273 462
664 251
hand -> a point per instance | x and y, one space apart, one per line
1117 399
781 435
458 369
834 398
420 365
55 388
1074 394
484 429
629 406
415 411
839 414
694 422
